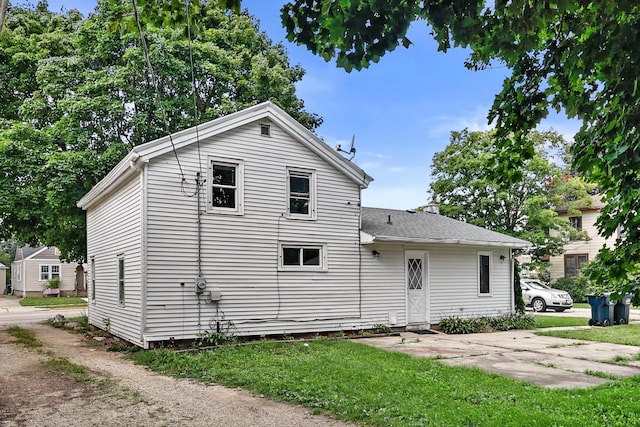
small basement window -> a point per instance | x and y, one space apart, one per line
302 257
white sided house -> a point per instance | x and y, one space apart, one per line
274 242
33 268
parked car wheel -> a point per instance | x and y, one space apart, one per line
538 304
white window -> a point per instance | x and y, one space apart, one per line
301 193
93 279
226 188
484 273
302 257
121 279
16 271
48 272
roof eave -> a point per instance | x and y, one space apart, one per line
398 239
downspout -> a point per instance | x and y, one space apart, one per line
143 251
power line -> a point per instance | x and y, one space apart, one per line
154 82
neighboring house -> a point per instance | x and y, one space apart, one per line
3 278
34 267
275 241
580 251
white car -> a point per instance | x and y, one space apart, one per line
539 296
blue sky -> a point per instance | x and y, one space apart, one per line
401 110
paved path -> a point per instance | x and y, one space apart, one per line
547 361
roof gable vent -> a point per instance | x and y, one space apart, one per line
265 129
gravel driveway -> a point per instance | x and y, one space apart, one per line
121 393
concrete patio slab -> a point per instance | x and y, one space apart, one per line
546 361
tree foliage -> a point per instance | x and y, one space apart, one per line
464 188
75 97
580 57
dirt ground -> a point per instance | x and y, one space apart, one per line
119 393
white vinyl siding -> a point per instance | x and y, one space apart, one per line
241 254
114 227
452 282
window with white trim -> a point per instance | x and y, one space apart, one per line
302 257
484 273
93 279
49 271
16 271
121 279
226 186
301 193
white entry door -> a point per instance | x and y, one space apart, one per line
415 272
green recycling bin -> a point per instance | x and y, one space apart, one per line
602 311
621 310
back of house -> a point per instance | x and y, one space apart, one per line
251 225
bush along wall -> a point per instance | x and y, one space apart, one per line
457 325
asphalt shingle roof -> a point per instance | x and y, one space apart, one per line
411 226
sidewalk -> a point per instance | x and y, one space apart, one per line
11 304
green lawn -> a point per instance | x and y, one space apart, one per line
620 334
53 302
352 381
557 321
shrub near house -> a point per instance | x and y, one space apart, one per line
577 287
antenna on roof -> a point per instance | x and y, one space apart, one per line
352 149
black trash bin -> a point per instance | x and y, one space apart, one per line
9 289
621 310
601 310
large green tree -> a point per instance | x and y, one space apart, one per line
463 187
580 57
76 95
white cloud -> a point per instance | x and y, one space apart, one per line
441 126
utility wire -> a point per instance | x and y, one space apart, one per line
154 82
193 85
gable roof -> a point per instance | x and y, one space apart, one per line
390 225
267 110
3 267
27 252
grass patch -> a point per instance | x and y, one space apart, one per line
352 381
601 374
53 302
621 334
62 365
558 321
581 305
24 337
